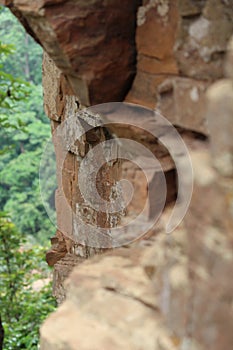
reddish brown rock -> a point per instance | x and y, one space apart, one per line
58 249
156 29
67 249
88 41
140 183
155 38
167 291
144 89
152 65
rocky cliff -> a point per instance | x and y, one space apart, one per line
167 291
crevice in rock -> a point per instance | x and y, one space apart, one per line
133 297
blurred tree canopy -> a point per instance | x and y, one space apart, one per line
25 293
27 57
24 129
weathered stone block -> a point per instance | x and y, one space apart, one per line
229 60
182 102
144 89
155 38
93 43
209 224
220 123
202 41
190 7
92 317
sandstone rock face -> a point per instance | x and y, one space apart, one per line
165 291
71 208
176 41
155 37
93 43
204 31
229 60
170 292
220 97
105 302
210 256
220 102
182 101
205 300
174 289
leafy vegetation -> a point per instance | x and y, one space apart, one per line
24 129
24 301
27 57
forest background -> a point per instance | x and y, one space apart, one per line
25 279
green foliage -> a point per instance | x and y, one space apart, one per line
23 307
12 91
19 179
26 59
24 129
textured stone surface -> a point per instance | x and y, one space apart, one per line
105 302
90 44
209 223
182 101
165 291
67 250
144 89
229 60
155 38
190 8
174 289
204 30
220 102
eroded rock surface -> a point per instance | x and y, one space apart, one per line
93 43
107 301
167 291
170 291
204 31
157 23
